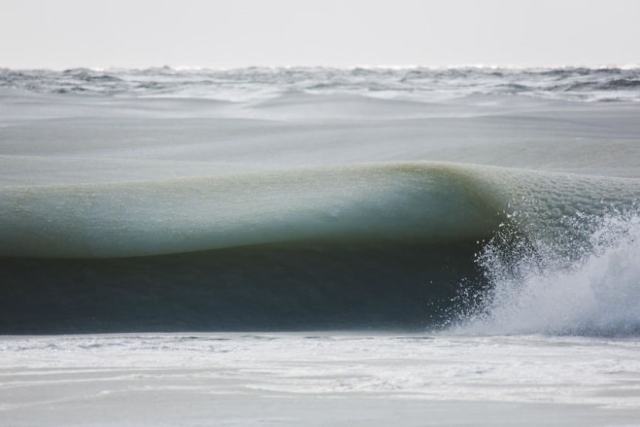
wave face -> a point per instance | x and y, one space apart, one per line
568 83
262 199
286 286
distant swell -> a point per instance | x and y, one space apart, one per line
421 83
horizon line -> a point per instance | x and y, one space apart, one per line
477 66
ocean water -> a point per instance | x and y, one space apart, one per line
320 246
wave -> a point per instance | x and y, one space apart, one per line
377 245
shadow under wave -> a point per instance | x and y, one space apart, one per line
287 286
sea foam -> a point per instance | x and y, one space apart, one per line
592 289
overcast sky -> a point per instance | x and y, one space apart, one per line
232 33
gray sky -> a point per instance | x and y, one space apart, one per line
231 33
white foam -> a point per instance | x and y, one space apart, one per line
596 294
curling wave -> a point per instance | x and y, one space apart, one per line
378 245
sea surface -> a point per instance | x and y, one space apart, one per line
318 246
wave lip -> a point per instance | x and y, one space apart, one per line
396 202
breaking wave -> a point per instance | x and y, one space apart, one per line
585 282
379 245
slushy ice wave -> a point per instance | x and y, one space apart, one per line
175 206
